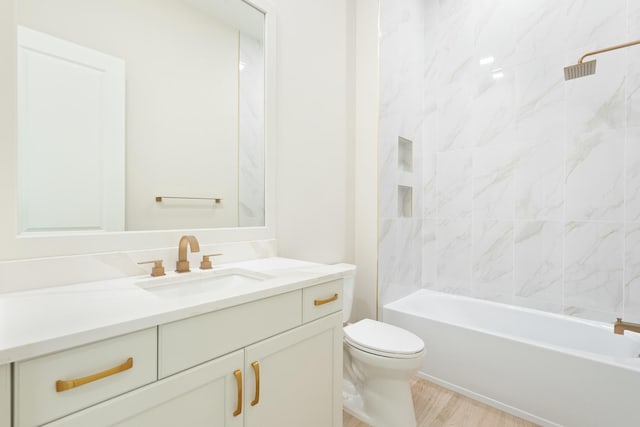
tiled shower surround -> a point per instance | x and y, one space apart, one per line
526 188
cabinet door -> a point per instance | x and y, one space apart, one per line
204 396
5 396
299 374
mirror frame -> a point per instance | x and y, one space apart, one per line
14 246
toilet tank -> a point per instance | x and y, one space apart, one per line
347 297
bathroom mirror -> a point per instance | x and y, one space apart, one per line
138 115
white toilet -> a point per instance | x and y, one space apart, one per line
379 360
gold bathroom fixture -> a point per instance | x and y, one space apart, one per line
64 385
588 68
325 301
205 264
182 265
256 371
158 268
217 200
619 327
238 374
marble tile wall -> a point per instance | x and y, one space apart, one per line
401 115
251 151
530 184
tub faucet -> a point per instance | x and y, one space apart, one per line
619 327
182 265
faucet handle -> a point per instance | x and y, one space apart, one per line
206 262
157 270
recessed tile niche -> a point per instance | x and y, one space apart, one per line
405 201
405 154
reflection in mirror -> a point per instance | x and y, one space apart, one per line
167 93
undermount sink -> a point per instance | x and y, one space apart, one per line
195 283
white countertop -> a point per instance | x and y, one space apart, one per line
34 323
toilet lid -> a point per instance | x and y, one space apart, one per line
383 338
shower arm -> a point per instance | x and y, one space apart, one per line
608 49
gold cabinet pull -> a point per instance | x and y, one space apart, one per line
325 301
238 374
256 371
62 385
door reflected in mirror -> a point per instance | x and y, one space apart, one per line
121 102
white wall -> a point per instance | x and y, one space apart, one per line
315 143
366 157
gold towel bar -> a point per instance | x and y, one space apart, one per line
215 199
69 384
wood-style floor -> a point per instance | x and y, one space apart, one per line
437 406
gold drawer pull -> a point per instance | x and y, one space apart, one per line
238 375
69 384
256 371
325 301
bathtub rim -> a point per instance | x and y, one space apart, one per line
616 362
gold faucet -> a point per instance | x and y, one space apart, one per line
619 327
182 265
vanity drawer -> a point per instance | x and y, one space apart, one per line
321 300
189 342
5 396
101 370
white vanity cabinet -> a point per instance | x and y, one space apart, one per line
292 372
203 396
195 340
256 364
290 380
295 378
5 396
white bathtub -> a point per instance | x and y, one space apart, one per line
550 369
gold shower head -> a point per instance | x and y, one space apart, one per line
582 69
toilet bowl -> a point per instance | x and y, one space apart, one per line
378 362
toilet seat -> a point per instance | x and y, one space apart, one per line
383 339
